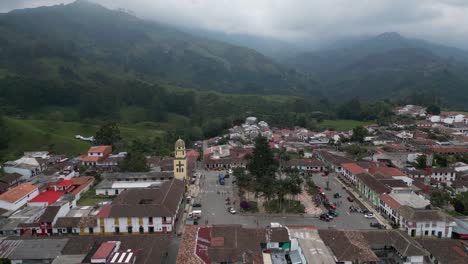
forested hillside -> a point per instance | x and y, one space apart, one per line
88 44
390 66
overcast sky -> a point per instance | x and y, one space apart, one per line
444 21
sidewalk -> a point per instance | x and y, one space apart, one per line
377 215
309 204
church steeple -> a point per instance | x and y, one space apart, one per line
180 161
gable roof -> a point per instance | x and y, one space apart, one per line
394 204
386 171
10 177
17 192
99 149
162 201
86 221
372 183
353 168
49 214
421 215
352 245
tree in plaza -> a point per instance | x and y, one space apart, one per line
108 134
283 157
134 162
359 134
262 162
262 167
243 181
421 162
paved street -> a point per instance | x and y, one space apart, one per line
214 209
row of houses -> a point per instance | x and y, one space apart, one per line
303 244
394 195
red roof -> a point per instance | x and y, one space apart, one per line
64 183
86 158
82 183
450 150
353 168
104 250
386 171
203 242
100 149
48 196
394 204
105 211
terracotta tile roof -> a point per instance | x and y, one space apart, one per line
386 171
104 250
372 183
17 192
450 150
348 245
99 149
353 245
447 251
105 211
187 246
353 168
239 242
394 204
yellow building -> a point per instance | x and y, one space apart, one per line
180 161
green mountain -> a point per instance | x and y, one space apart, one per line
389 66
89 44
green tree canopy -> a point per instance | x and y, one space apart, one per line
134 162
359 134
433 109
421 162
440 198
4 134
108 134
460 203
262 163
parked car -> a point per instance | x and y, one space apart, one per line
337 195
325 217
369 215
351 199
377 225
333 213
330 216
196 205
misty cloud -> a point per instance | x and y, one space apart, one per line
312 21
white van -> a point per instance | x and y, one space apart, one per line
195 214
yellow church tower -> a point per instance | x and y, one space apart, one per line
180 161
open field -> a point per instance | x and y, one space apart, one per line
59 137
340 125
